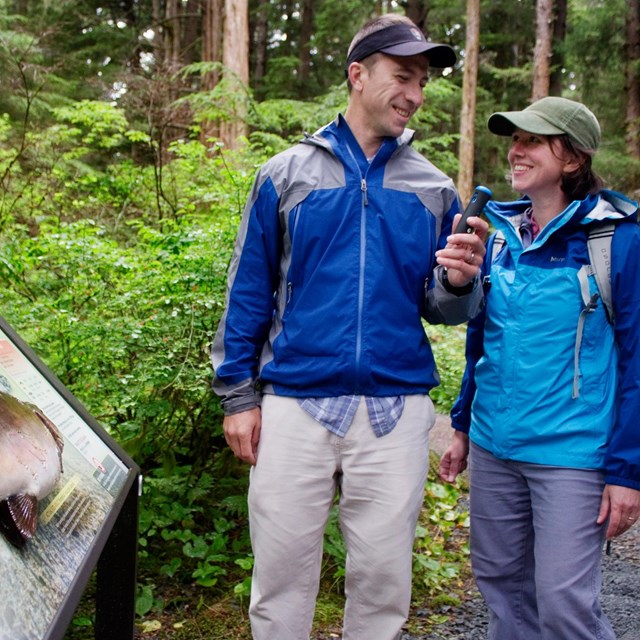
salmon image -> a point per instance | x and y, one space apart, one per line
30 466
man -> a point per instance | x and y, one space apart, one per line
321 356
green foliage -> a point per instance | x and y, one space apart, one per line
194 527
125 327
438 557
448 349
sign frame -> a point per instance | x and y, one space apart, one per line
112 552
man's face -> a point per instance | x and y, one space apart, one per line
391 92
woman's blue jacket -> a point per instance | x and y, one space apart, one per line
549 380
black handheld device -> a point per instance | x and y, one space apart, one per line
481 195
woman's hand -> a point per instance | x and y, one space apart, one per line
464 252
621 505
454 459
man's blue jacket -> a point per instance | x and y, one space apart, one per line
333 272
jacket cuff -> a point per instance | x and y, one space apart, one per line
456 291
233 405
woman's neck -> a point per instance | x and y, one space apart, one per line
546 208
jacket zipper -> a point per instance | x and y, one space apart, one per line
363 247
293 233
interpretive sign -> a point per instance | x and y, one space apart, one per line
66 502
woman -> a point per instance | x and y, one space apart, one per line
550 399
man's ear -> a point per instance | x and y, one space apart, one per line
356 72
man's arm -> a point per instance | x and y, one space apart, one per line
244 326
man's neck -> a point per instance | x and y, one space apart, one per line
369 143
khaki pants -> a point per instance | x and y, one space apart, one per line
380 482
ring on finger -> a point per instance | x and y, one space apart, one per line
470 258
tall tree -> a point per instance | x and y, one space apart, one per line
543 49
306 32
469 91
212 21
556 83
235 58
259 40
632 65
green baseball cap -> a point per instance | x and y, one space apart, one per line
551 116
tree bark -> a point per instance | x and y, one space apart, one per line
632 62
542 50
191 32
212 21
260 39
417 11
557 58
172 35
306 31
235 58
469 89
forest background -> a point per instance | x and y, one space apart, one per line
130 132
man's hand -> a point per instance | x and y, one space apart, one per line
622 506
242 433
464 252
454 459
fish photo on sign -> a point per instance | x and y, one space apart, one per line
31 462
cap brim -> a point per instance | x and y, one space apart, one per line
440 55
504 124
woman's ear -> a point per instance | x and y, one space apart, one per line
572 163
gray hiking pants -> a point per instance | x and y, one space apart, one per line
536 549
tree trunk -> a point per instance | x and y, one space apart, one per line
557 57
417 11
192 24
172 35
260 40
212 21
542 50
469 89
235 58
306 31
632 62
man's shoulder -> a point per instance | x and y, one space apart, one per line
299 153
410 170
408 154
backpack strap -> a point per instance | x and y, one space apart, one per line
495 243
599 243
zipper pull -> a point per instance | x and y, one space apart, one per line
363 187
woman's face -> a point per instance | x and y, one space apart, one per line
537 164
